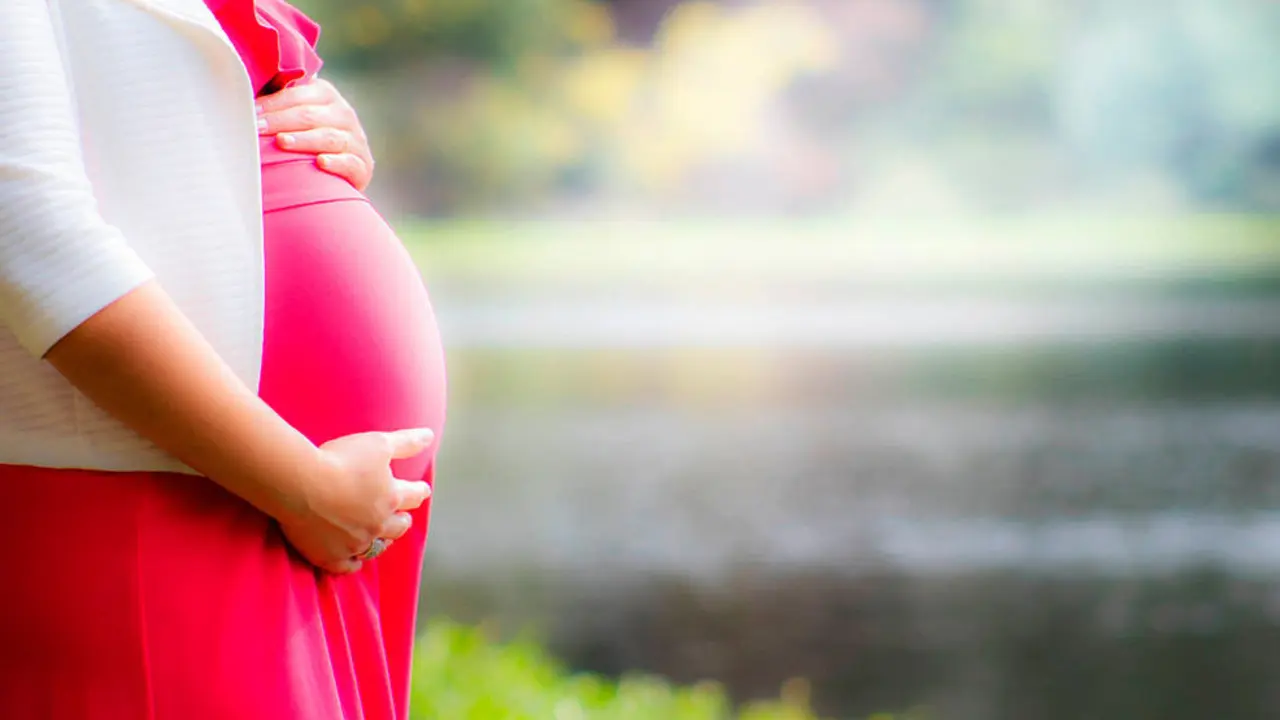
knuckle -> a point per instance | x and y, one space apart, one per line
387 444
390 503
310 116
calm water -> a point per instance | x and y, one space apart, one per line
1057 523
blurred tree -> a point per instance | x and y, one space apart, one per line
380 34
769 105
1186 94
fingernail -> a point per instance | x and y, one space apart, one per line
429 491
260 107
262 125
323 161
285 140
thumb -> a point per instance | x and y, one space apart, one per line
408 443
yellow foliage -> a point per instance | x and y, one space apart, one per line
602 86
687 25
525 131
704 93
591 24
792 35
651 159
719 71
557 140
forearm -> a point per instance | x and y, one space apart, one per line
143 362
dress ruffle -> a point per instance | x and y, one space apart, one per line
276 41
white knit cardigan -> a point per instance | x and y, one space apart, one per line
128 151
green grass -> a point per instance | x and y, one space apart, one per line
1013 252
460 673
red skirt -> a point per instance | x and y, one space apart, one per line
164 597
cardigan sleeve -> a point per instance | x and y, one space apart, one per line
60 261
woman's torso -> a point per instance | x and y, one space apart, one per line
350 338
165 114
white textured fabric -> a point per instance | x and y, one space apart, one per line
128 150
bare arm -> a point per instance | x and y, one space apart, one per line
143 362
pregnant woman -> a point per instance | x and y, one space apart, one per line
220 381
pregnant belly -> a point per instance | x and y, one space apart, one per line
351 341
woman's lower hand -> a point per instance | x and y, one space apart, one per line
355 499
314 118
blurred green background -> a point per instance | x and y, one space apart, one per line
907 356
534 107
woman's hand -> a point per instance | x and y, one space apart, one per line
315 118
355 499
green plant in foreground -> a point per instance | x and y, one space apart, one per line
461 674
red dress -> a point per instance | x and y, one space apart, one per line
162 596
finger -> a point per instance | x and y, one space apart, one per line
396 526
408 443
312 93
318 140
347 166
411 494
307 117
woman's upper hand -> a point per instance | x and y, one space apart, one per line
315 118
356 499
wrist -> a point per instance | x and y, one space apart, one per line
298 483
277 472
